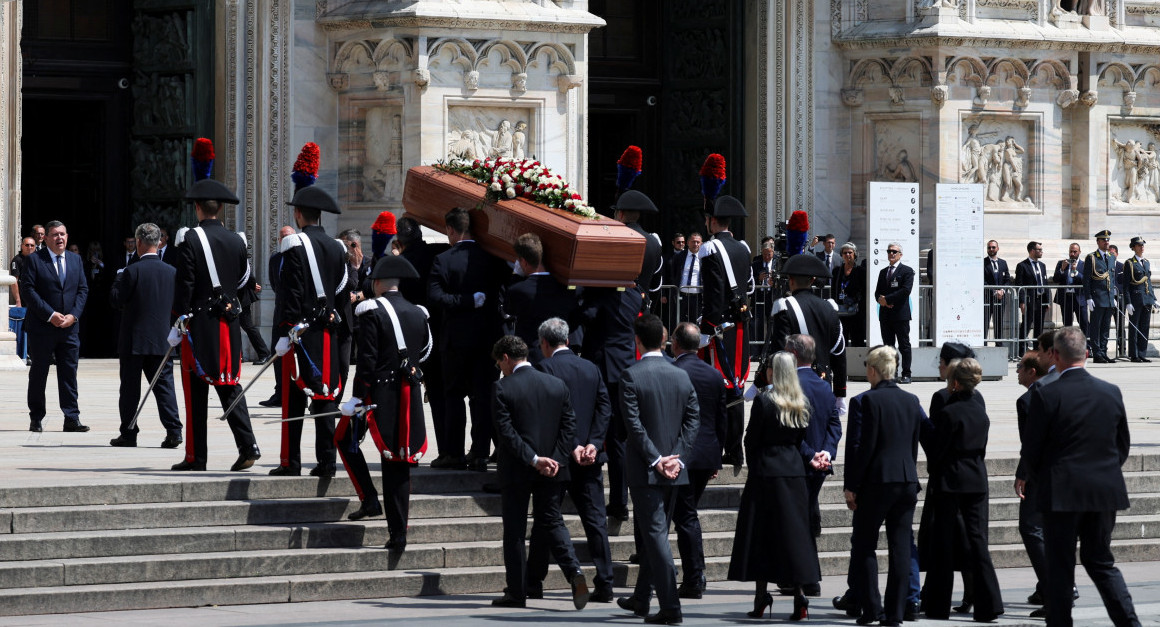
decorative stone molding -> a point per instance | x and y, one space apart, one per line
1067 97
1089 98
422 76
852 97
897 98
938 95
471 80
338 81
1024 97
982 94
1129 102
567 82
382 80
520 82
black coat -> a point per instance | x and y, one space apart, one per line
959 447
532 301
609 341
532 417
897 293
42 293
588 394
716 290
456 275
710 387
853 286
1060 277
1075 443
823 325
1025 275
885 448
422 256
193 292
773 450
651 267
145 292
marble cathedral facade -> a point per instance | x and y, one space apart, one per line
1057 112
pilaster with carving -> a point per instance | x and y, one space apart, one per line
11 16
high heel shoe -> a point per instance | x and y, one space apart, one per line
801 609
759 605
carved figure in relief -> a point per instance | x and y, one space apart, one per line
520 140
901 171
502 145
973 162
1150 171
1129 156
1012 170
1092 7
464 147
946 4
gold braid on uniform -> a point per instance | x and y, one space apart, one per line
1143 279
1099 276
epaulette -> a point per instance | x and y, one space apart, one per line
779 306
833 303
364 307
426 314
180 236
746 245
288 242
708 248
657 238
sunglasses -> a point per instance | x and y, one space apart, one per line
894 252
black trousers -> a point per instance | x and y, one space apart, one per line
1073 309
1098 325
616 446
468 372
1094 532
294 404
1031 531
132 367
892 504
898 331
1138 331
1033 315
436 398
653 512
197 402
64 345
688 526
940 574
547 522
994 311
814 481
246 321
396 475
586 488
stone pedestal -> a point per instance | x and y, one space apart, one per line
1096 22
939 15
1066 20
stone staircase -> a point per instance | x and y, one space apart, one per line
174 541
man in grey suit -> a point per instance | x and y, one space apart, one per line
661 415
144 290
1073 448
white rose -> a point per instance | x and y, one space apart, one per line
511 192
506 178
495 187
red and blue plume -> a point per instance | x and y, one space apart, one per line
202 159
628 167
712 176
382 232
797 230
306 166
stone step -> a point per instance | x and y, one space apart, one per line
1005 508
356 584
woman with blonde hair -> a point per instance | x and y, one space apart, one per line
773 541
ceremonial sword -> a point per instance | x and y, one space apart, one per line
361 409
293 336
152 382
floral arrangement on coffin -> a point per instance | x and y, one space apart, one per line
527 178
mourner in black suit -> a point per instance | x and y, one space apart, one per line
1031 372
535 432
848 287
728 282
206 312
892 292
54 289
313 298
274 272
387 375
659 405
1033 299
409 240
1074 446
464 285
684 273
820 318
997 275
958 487
539 296
829 256
608 315
703 462
764 274
1071 300
248 295
585 485
1138 300
1100 284
819 447
881 485
165 252
144 291
772 541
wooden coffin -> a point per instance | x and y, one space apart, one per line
577 250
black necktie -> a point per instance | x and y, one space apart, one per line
890 273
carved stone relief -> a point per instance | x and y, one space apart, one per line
371 167
897 151
489 132
1133 165
995 153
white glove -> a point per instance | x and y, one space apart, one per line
282 347
841 403
479 297
174 337
348 408
1131 310
1091 305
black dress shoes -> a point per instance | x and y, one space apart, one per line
580 592
246 459
620 512
812 589
910 613
904 380
534 592
261 360
325 471
184 465
171 441
368 509
450 462
397 543
507 600
867 619
122 441
478 464
631 604
602 595
286 471
35 426
692 589
273 401
665 617
75 427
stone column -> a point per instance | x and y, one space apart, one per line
10 112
